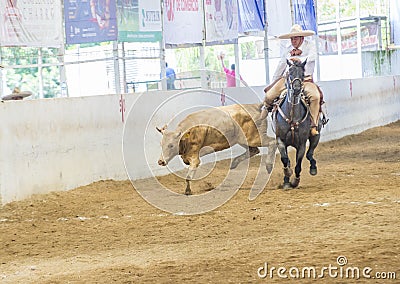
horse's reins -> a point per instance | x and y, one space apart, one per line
293 124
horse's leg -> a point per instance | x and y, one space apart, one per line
314 140
287 171
297 170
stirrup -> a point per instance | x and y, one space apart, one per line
324 119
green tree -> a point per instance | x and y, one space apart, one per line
26 77
347 8
326 10
189 58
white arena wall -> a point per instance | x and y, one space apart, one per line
60 144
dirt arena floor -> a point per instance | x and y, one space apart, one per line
106 233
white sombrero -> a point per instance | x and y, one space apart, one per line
16 95
296 30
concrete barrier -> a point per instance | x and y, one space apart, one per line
60 144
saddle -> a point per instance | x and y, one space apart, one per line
278 101
307 79
304 99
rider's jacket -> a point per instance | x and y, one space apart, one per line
308 51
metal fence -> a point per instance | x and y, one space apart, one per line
92 70
79 70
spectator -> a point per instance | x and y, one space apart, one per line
230 74
16 95
171 76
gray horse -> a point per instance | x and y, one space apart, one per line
293 123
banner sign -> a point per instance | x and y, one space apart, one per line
31 23
139 20
221 18
251 15
304 14
369 39
395 21
278 22
183 22
90 21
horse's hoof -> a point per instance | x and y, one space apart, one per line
295 182
286 186
287 172
188 192
313 171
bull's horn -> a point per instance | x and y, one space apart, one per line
161 130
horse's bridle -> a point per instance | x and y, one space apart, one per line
297 95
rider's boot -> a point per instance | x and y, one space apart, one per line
314 96
314 131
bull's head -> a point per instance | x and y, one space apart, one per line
169 145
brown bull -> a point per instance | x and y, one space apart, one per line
217 129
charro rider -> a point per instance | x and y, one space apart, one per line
299 49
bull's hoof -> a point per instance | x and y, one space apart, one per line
295 182
286 186
269 168
233 166
313 171
188 192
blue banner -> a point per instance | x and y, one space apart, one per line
90 21
304 14
395 21
251 15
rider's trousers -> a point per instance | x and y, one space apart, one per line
274 90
